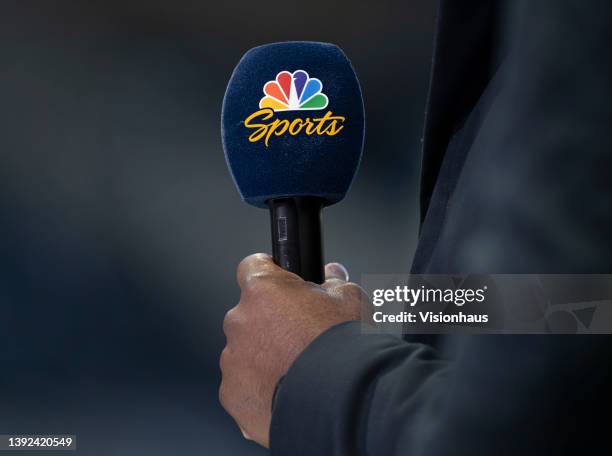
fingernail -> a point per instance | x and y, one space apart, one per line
336 271
245 435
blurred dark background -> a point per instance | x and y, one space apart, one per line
120 228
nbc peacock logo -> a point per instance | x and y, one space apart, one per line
292 91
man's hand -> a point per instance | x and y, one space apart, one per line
278 315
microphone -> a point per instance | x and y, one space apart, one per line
292 127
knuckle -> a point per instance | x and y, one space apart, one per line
245 262
249 264
223 395
231 321
223 360
257 284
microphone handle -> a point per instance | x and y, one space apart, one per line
297 242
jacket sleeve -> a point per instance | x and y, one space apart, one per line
348 393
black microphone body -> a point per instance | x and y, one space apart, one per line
297 240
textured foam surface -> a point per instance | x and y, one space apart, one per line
316 164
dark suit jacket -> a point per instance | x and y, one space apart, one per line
516 179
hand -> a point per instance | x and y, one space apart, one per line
278 315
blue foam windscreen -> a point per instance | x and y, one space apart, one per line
293 122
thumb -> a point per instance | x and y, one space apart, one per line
336 271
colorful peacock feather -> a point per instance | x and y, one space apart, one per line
293 91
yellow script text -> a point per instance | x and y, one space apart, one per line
265 125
